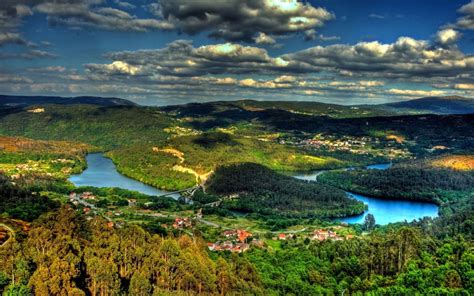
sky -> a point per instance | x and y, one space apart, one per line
160 52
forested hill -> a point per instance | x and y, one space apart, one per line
40 100
244 107
436 105
250 187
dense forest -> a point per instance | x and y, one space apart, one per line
396 261
404 182
63 254
22 204
264 191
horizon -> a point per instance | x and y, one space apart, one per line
176 52
241 100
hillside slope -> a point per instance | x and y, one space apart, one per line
39 100
437 105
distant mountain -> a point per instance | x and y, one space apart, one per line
249 108
18 101
436 105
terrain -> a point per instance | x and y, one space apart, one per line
251 228
436 105
22 101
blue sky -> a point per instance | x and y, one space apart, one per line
178 51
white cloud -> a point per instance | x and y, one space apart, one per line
264 39
447 36
416 93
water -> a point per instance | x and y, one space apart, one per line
385 211
101 172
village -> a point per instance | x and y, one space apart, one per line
365 145
236 240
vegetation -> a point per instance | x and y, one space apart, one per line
403 182
103 127
128 245
63 254
195 157
398 261
251 188
22 204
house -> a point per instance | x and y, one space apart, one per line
229 233
182 223
87 210
88 195
282 236
132 202
243 235
110 224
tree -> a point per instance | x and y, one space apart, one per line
369 222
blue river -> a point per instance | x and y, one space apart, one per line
101 172
385 211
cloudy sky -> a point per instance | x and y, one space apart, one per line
159 52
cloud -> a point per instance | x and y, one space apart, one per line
467 20
447 36
264 39
405 58
416 93
311 35
8 78
84 13
124 5
27 55
238 20
8 37
48 69
180 58
464 86
376 16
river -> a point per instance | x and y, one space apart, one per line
385 211
101 172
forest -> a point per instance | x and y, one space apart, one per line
264 191
404 182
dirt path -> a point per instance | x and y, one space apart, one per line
200 178
12 232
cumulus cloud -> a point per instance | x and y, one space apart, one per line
467 20
264 39
180 58
234 20
447 36
406 57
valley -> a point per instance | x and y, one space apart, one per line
248 182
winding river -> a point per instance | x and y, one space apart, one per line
385 211
101 172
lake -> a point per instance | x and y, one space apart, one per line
385 211
101 172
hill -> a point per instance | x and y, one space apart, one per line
249 187
437 105
40 100
242 108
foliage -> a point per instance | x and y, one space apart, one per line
261 190
66 255
403 182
